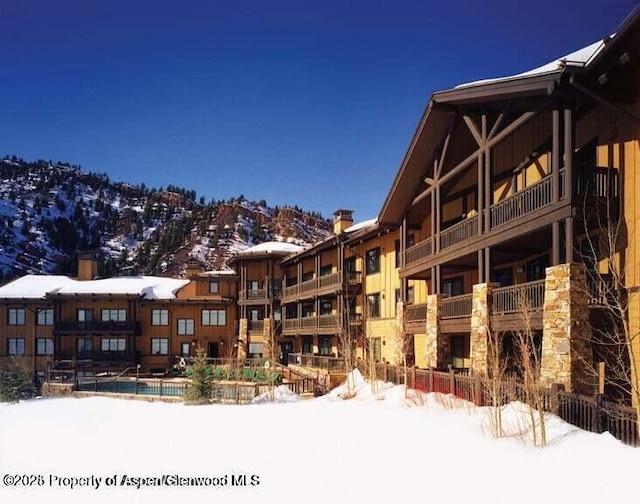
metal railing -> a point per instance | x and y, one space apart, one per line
456 306
256 325
515 298
253 295
419 251
459 232
522 203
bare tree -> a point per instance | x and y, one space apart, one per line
495 380
530 362
402 341
610 276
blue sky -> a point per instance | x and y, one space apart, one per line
307 103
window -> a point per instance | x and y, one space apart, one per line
307 276
397 249
327 269
114 315
159 346
214 287
453 286
16 316
325 307
44 316
324 345
214 317
113 344
185 349
160 317
84 315
255 350
85 345
410 295
307 310
291 311
373 261
350 264
307 344
292 281
15 346
186 327
253 285
44 346
254 314
373 305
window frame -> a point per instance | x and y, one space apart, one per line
373 305
182 327
44 317
372 261
160 317
159 346
16 316
17 343
210 312
48 346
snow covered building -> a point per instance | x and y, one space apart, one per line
116 322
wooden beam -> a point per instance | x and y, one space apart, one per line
429 180
474 130
498 123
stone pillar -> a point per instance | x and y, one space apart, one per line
243 337
437 346
480 327
566 338
268 340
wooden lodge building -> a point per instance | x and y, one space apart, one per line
516 207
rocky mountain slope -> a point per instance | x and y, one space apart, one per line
50 212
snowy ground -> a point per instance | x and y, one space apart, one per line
385 448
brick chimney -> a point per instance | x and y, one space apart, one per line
87 267
342 219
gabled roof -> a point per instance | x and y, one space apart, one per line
432 129
265 250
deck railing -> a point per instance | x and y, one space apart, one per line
597 182
601 289
330 280
326 321
291 324
256 325
415 313
592 413
253 295
515 298
331 364
456 306
459 232
96 325
419 251
521 203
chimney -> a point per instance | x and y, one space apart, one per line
342 219
193 268
87 267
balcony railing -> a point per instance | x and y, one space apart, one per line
522 203
256 325
415 313
517 298
601 290
332 280
419 251
96 355
253 295
598 182
320 322
96 325
456 306
459 232
318 361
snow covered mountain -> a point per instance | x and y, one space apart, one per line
49 212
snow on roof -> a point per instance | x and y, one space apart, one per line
33 286
148 286
580 58
218 273
273 247
361 225
38 286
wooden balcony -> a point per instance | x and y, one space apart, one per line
331 364
322 286
94 326
459 232
518 307
253 297
323 324
415 318
255 326
522 203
